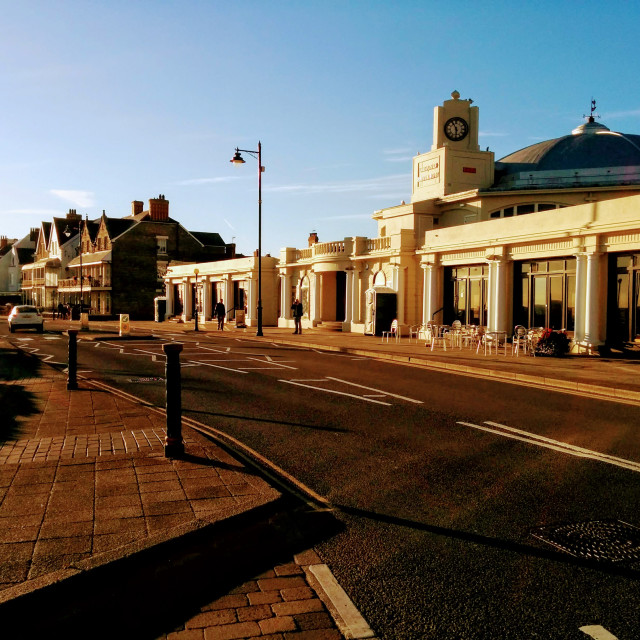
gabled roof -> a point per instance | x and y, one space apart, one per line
117 226
46 232
25 255
208 239
63 225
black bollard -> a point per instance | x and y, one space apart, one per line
72 380
173 445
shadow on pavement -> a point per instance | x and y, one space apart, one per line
150 593
15 400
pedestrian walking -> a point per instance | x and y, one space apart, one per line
220 313
297 311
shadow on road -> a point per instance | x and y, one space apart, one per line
506 545
15 400
254 419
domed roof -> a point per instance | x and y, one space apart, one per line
590 146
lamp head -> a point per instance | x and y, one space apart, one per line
237 158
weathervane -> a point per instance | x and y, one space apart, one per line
593 108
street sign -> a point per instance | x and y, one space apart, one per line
125 327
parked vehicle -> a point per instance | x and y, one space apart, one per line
24 316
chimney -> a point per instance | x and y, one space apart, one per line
159 209
34 232
137 207
3 242
72 215
313 238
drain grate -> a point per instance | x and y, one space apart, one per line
607 540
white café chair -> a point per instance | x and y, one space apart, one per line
520 340
393 332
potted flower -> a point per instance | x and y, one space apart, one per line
553 343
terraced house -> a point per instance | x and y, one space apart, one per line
114 265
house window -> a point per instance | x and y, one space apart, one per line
162 244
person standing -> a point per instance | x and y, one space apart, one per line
220 313
297 311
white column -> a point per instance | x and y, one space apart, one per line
206 299
425 293
228 294
433 302
285 296
355 297
348 296
491 294
315 283
186 292
170 301
400 283
252 302
593 293
500 296
581 297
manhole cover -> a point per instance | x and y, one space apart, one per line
608 540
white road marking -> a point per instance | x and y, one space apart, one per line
52 338
603 456
217 366
348 619
597 632
273 364
339 393
386 393
547 443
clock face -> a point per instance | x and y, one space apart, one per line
456 128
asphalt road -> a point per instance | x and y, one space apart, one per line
442 480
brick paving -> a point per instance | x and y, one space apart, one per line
278 605
83 473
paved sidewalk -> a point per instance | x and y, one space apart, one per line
93 515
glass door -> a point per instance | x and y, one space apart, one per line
539 315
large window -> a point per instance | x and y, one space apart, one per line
466 295
624 299
545 294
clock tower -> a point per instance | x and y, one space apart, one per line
455 162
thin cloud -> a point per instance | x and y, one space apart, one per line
346 217
395 152
192 181
369 184
493 134
30 212
79 198
229 224
623 114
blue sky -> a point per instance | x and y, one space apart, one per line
105 102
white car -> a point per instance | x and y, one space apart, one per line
24 316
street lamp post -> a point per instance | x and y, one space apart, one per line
195 299
237 159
